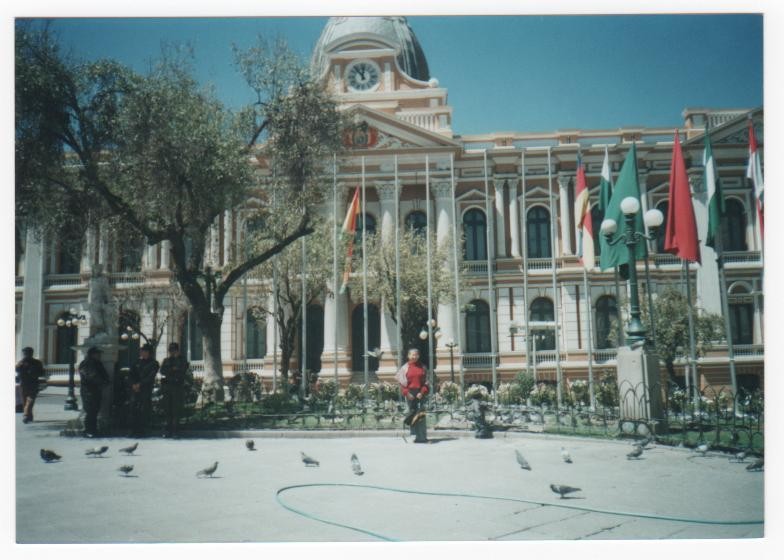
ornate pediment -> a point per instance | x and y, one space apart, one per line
365 136
375 130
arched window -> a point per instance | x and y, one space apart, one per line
315 339
596 220
663 207
538 230
606 313
65 338
741 316
478 327
358 337
128 352
542 311
734 226
475 231
417 222
255 336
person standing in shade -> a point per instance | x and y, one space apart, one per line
173 372
92 380
29 372
412 377
142 380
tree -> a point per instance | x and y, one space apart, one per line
163 304
159 155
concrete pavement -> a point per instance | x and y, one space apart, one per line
86 500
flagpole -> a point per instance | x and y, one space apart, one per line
691 370
430 349
274 303
556 306
458 326
489 238
335 261
651 311
726 313
589 318
397 271
304 337
528 336
364 288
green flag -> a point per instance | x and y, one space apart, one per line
605 192
715 196
618 254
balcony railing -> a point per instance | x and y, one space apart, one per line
479 360
478 267
255 365
665 259
63 281
543 264
742 257
748 350
605 355
125 278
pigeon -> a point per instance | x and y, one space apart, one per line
125 469
740 457
635 453
645 442
757 465
565 455
404 438
250 444
209 471
521 461
563 490
130 449
309 461
48 455
97 451
375 353
355 466
702 449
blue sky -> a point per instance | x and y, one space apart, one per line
520 73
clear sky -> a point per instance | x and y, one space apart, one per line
519 73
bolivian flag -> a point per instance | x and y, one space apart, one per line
349 229
582 218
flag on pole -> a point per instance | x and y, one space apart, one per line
626 186
605 192
350 228
582 218
754 172
715 197
680 237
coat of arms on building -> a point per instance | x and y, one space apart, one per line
361 135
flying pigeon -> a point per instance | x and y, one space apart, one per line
209 471
125 469
250 444
375 353
521 461
740 457
130 449
563 490
565 455
757 465
309 461
48 455
355 466
635 453
97 451
702 449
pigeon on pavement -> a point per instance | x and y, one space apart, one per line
251 445
563 490
309 461
355 466
48 455
645 442
565 455
702 449
521 461
757 465
97 451
209 471
740 457
125 469
130 449
635 453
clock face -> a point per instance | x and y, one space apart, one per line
362 76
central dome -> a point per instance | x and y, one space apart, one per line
392 32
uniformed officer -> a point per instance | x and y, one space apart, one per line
142 380
173 371
93 378
29 372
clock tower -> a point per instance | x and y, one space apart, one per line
378 62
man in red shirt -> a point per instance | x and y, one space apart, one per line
412 377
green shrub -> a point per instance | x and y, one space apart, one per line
607 390
449 392
525 384
478 391
543 393
279 403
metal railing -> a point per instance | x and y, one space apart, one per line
605 355
479 360
63 281
125 278
255 364
478 267
742 257
665 259
543 264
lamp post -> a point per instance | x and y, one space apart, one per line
133 334
635 331
424 334
533 336
451 344
71 320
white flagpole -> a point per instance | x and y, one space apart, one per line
364 287
726 312
489 238
458 326
689 372
398 311
430 348
304 338
528 335
335 286
274 307
589 321
556 306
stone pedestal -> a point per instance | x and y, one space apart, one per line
639 386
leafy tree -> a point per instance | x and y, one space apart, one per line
158 155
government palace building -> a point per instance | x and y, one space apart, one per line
510 198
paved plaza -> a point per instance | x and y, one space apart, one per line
460 482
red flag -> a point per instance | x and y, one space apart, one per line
582 217
349 228
680 237
754 172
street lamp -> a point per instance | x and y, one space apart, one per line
71 320
635 332
533 336
451 344
132 334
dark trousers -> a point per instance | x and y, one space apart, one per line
91 402
141 407
28 400
173 398
419 430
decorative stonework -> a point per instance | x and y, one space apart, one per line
388 141
564 179
442 190
386 191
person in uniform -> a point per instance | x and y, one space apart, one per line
93 378
29 372
412 377
142 380
173 372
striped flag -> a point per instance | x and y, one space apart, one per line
754 172
582 218
605 192
350 228
680 237
715 197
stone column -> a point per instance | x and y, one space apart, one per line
500 221
444 229
103 248
90 247
338 303
514 219
165 254
386 196
708 290
32 327
565 218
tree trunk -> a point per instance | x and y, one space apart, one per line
213 367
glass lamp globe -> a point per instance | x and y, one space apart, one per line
72 311
128 328
124 336
60 323
68 323
630 205
423 334
83 322
609 226
438 334
653 218
135 336
433 322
